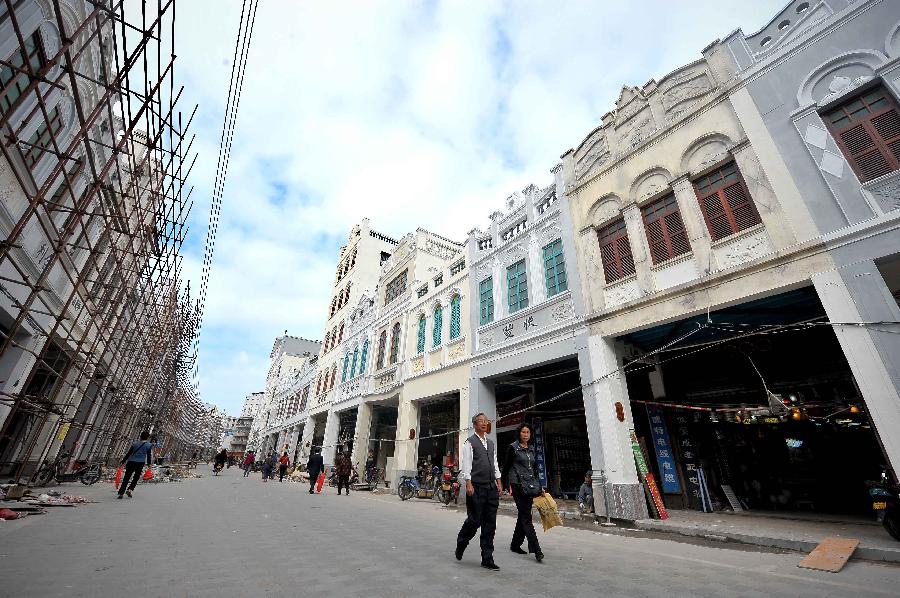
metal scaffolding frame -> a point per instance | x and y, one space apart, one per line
97 326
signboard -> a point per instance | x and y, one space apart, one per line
689 462
539 456
648 480
663 449
554 312
510 407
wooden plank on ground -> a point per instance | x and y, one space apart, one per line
831 554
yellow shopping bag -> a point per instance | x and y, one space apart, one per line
548 510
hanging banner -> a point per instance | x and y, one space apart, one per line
663 449
515 407
647 478
539 457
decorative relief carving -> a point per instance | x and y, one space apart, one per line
886 192
456 351
594 157
622 293
43 254
631 101
638 133
439 249
551 233
685 89
418 364
514 253
563 311
485 340
743 250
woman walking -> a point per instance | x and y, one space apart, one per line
521 475
140 454
267 467
283 463
344 469
248 463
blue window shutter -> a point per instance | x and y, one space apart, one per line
438 323
454 317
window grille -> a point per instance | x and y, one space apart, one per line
436 327
15 79
346 366
457 267
420 337
382 343
516 230
395 343
422 291
362 357
42 140
395 287
353 363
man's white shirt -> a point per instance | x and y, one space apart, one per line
465 467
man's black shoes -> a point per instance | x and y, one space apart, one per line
490 566
460 549
517 550
539 556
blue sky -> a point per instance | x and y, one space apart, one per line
411 114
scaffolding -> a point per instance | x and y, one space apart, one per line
97 326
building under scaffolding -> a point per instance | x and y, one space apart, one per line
96 327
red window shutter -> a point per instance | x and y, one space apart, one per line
615 251
725 202
665 229
867 129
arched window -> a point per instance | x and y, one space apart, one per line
333 375
346 365
382 343
318 383
436 327
326 341
353 363
454 317
341 333
395 343
362 357
420 341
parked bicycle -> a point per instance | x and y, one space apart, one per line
85 472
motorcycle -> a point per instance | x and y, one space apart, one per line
83 471
886 503
448 488
217 468
424 485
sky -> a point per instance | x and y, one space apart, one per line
413 114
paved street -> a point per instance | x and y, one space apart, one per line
230 536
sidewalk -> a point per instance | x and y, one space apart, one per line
801 532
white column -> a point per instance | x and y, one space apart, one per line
309 428
609 438
405 450
537 285
329 444
361 434
694 223
640 250
857 293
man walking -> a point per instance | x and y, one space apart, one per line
314 467
478 468
140 453
344 469
248 463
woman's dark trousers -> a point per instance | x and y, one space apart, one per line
281 471
344 481
133 471
524 525
481 511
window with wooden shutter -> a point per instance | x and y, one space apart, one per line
725 202
665 229
615 251
867 129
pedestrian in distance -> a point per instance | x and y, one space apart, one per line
586 495
219 461
283 463
520 474
478 469
267 467
140 454
248 463
314 466
344 469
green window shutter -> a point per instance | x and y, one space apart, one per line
362 357
438 323
454 317
420 340
517 286
486 296
353 363
555 268
346 365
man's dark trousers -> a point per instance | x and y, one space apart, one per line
481 511
132 472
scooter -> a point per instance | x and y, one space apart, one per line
886 503
448 488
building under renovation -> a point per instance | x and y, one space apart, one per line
96 328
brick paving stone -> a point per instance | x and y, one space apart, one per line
233 536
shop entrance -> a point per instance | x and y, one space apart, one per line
549 398
758 410
346 431
438 435
382 434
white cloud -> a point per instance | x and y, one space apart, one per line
410 114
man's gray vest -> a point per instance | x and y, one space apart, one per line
482 461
